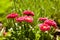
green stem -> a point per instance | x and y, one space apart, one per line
14 27
43 35
14 23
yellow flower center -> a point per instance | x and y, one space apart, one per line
28 18
44 26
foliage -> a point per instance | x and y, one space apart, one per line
41 8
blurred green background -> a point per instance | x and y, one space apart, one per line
41 8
